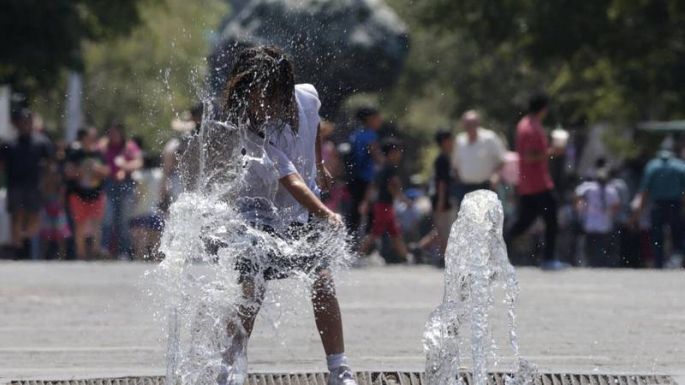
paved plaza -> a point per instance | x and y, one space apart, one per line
82 320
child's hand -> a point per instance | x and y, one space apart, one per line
335 219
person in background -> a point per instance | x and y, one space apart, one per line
535 188
663 185
23 160
625 237
598 203
123 157
478 156
336 194
54 229
71 183
365 157
87 169
444 212
389 189
147 220
186 126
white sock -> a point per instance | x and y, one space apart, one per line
334 361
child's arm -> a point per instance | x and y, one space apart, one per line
297 187
395 187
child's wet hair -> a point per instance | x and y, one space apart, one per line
270 71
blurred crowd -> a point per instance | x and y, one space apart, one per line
98 197
615 215
103 197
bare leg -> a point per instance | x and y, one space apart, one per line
366 244
32 224
239 329
96 247
139 238
443 227
17 228
399 246
155 239
327 314
428 239
80 240
251 303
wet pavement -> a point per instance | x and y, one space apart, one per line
82 320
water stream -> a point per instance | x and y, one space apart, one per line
207 235
476 264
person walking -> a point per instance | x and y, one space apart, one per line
389 189
663 185
478 156
535 188
444 212
24 159
365 157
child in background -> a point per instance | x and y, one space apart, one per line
54 230
389 190
147 221
87 169
598 204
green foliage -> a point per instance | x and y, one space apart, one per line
607 59
40 38
612 61
156 72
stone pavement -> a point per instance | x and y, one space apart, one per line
81 320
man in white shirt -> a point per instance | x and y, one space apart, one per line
478 156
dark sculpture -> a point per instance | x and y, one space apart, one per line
340 46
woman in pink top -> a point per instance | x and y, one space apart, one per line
123 157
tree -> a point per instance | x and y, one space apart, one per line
606 59
155 72
40 38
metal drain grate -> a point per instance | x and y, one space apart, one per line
384 378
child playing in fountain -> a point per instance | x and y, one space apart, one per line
281 120
389 189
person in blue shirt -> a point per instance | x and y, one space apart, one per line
365 157
663 184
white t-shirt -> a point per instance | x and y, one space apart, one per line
476 162
308 105
596 214
264 200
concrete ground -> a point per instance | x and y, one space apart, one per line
66 320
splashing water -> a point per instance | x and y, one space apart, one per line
207 235
476 263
